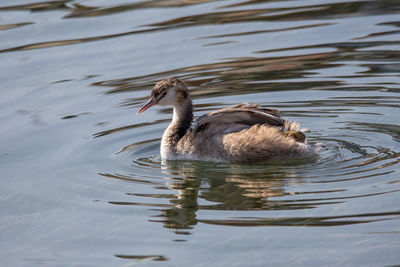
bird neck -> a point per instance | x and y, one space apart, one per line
181 120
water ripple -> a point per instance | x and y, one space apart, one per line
75 158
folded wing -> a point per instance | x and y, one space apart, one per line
236 118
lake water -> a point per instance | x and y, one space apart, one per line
82 182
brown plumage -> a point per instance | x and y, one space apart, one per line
239 134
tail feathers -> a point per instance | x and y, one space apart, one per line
289 126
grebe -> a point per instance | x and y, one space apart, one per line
239 134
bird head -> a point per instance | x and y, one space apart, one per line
168 92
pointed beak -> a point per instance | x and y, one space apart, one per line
148 105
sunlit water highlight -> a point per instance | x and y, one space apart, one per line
82 178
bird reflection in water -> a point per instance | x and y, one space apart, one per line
212 187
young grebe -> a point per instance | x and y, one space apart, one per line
239 134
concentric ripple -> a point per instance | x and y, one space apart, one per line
353 166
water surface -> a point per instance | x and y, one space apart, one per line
82 179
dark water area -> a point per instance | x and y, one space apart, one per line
82 182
